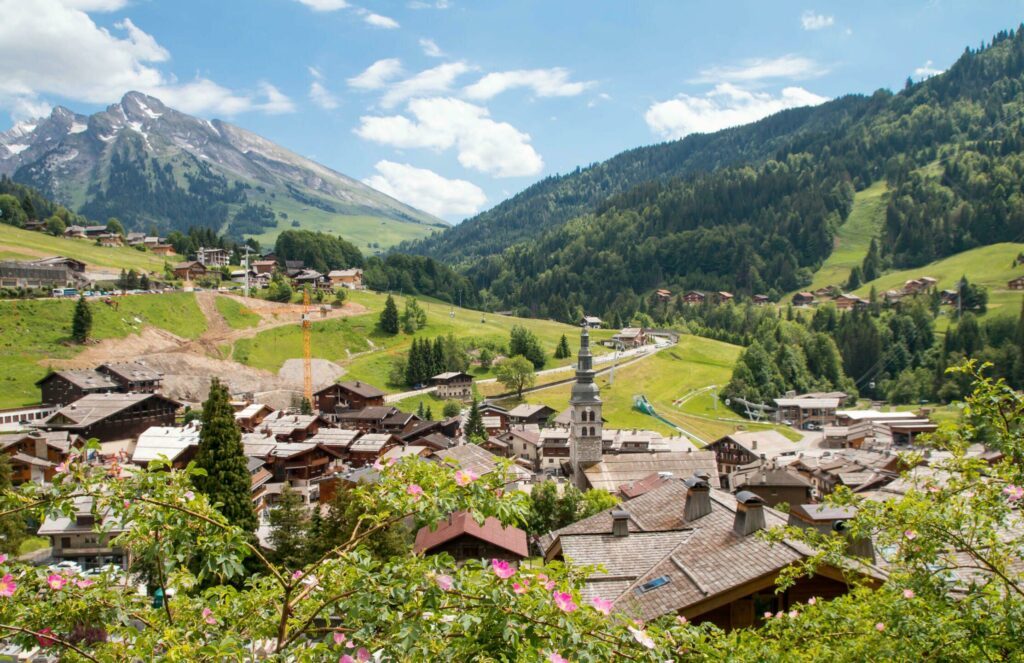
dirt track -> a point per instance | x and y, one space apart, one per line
189 364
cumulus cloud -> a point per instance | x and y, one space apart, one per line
928 70
437 80
430 48
377 75
378 21
442 123
319 94
814 21
54 47
725 106
421 4
324 5
426 190
758 69
543 82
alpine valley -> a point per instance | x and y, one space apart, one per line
154 167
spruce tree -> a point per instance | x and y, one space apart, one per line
81 323
439 365
475 431
563 351
289 530
428 414
389 317
227 481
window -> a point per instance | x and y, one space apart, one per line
653 584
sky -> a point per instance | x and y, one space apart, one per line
454 105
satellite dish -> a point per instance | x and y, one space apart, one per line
728 401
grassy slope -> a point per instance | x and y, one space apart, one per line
34 330
236 315
854 236
18 244
271 348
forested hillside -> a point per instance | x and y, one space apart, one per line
949 148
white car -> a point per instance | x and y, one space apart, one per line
67 565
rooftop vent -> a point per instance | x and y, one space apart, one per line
620 523
698 499
855 547
749 513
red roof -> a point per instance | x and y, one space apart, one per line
510 538
644 485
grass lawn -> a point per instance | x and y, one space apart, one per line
26 244
32 544
236 315
34 330
331 339
854 236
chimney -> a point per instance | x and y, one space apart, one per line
753 446
855 547
620 523
749 513
698 499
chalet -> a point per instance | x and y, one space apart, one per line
187 271
346 278
761 300
35 225
109 239
346 396
663 295
162 249
1016 284
852 468
436 442
495 417
74 232
464 539
95 231
336 439
150 241
251 416
689 550
617 469
846 302
76 266
293 268
177 444
722 297
240 275
694 297
133 376
299 462
398 422
264 266
740 449
775 485
528 413
15 274
34 456
453 385
291 427
846 437
309 277
523 444
63 387
630 337
369 419
418 429
592 322
554 448
83 536
826 292
807 412
213 257
803 299
950 297
369 447
112 416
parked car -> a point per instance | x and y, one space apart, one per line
67 565
810 425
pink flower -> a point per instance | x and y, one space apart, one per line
910 534
767 614
908 593
126 504
8 586
346 659
519 589
377 465
362 654
502 569
414 490
339 638
465 477
604 606
778 615
56 582
642 637
296 575
3 558
681 619
444 582
1013 493
879 627
812 601
208 616
555 657
62 468
82 584
564 602
793 614
43 640
189 495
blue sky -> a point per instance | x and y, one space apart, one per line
453 105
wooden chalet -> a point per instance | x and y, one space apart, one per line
189 270
368 420
34 456
63 387
1016 284
113 416
527 413
133 376
453 385
803 299
346 278
347 396
464 539
369 447
694 297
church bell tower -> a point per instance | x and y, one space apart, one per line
585 408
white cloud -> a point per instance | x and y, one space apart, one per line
324 5
437 80
319 95
757 69
603 96
426 190
928 70
442 123
430 48
95 5
377 75
378 21
812 21
544 83
725 106
421 4
54 47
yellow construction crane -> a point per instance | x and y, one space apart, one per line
307 341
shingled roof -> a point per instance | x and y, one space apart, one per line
615 470
459 524
93 408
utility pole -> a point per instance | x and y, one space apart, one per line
246 264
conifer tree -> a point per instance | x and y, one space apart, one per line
289 529
305 407
389 317
227 481
438 362
428 414
81 323
563 351
475 431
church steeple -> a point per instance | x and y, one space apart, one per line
585 445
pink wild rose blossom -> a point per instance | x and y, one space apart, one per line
465 477
208 616
641 636
908 593
879 627
564 602
8 586
502 569
56 582
414 490
445 582
604 606
555 657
